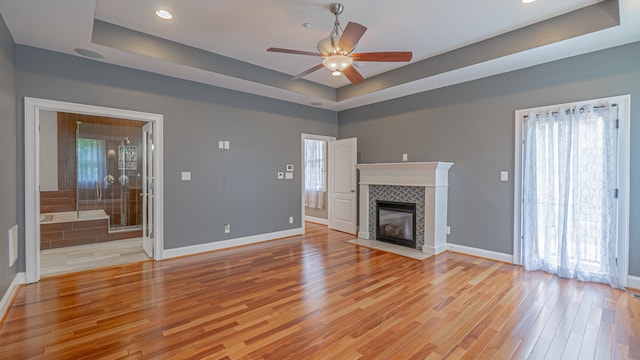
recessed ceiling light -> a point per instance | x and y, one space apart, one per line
164 14
89 53
307 25
527 1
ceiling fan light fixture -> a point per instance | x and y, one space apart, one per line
328 45
336 73
337 62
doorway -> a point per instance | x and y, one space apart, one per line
114 173
315 178
572 186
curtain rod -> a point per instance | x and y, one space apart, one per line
569 111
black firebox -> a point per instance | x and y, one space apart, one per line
396 223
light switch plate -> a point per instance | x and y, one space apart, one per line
504 176
288 175
186 175
280 175
226 145
220 144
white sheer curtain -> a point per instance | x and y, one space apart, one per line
569 193
314 173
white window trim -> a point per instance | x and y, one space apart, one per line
624 165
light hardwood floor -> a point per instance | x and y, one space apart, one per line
317 297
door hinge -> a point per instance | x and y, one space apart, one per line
615 193
617 123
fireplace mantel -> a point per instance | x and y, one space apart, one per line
433 176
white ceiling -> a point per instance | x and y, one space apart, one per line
243 30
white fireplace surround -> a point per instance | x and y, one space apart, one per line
433 176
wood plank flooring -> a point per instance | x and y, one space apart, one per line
317 297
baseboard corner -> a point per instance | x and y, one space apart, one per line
633 282
9 296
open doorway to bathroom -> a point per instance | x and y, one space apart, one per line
315 178
93 187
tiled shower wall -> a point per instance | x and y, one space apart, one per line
407 194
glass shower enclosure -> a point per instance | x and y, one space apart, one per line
109 171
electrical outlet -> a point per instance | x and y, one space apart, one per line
405 157
448 230
504 176
290 219
227 228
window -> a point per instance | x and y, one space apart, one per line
315 178
91 162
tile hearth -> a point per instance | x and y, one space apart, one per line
391 248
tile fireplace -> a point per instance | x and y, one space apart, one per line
424 184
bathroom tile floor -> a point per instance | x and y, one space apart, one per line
90 256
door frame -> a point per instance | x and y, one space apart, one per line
32 107
624 165
302 162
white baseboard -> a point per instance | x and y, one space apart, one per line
317 220
488 254
11 292
633 282
364 235
195 249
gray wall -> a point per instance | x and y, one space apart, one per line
237 186
8 149
48 150
472 125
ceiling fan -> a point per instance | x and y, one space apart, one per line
337 50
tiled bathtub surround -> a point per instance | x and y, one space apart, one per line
406 194
67 229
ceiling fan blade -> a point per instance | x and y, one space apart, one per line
307 72
389 56
297 52
353 75
351 35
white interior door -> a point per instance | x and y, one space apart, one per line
343 202
147 189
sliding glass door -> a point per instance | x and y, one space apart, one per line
570 192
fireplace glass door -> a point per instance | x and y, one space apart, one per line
396 223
